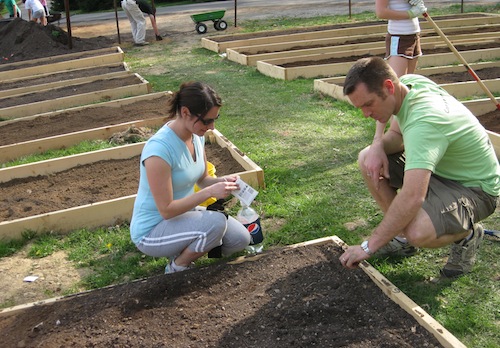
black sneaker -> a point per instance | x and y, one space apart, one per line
463 254
158 38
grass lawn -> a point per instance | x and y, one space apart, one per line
307 145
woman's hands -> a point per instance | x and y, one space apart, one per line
224 187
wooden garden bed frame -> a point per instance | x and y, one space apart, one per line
250 55
71 61
13 151
274 68
447 339
139 88
105 213
221 43
36 87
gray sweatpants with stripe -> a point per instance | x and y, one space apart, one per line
200 231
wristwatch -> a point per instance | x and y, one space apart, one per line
365 248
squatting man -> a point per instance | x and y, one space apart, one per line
434 172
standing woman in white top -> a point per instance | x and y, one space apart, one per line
403 32
35 11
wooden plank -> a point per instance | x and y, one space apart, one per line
273 67
62 83
249 55
13 151
142 87
55 165
477 67
480 106
255 175
41 75
461 90
103 57
220 43
277 36
105 213
109 104
495 140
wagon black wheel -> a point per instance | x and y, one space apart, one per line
220 25
201 28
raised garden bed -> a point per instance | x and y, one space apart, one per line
221 43
60 63
91 189
62 129
249 55
293 296
53 80
325 65
455 79
69 96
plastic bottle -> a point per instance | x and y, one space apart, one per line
251 220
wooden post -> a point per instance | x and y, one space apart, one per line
235 14
68 24
116 18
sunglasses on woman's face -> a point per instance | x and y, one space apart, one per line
208 121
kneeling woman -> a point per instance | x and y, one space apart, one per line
165 222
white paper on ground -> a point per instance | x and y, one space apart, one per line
30 278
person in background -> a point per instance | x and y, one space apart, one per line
134 10
443 176
402 47
146 8
35 11
165 220
14 11
45 7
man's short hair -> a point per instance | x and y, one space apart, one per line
371 71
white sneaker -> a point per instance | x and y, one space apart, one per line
171 267
396 248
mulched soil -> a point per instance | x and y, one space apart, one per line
333 60
63 76
77 120
299 297
71 90
86 184
22 40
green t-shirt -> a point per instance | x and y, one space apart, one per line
440 134
11 6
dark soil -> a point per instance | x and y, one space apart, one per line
87 184
63 76
225 38
71 90
380 39
491 120
21 40
460 48
286 297
70 121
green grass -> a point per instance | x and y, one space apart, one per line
307 145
